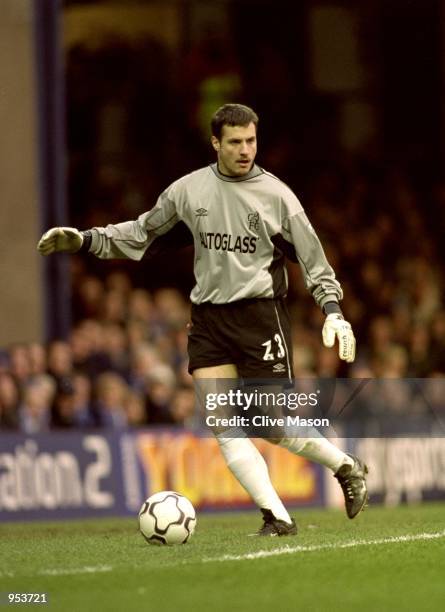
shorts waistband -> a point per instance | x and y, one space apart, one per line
244 302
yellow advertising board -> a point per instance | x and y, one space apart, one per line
195 466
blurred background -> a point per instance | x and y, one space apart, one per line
104 103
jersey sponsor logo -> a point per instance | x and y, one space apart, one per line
228 242
201 212
254 221
279 367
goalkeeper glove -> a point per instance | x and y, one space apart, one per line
66 239
335 326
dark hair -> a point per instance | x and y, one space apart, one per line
232 114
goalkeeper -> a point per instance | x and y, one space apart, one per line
243 222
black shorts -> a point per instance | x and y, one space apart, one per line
254 335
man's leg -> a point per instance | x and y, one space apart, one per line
349 471
241 455
309 443
318 449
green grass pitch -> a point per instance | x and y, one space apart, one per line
386 559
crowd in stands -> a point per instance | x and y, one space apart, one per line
124 363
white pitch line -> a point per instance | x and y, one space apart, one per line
88 569
289 550
60 571
259 554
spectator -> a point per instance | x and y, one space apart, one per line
20 363
35 408
9 402
182 408
111 396
160 389
135 410
71 407
37 358
60 362
116 349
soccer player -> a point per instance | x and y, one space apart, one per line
243 222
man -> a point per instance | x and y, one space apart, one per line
243 221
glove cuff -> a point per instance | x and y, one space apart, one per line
332 308
86 243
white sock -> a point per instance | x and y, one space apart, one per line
319 450
249 468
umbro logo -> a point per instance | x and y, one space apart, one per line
279 367
202 212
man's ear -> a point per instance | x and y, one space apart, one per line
215 143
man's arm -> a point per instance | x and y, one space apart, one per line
318 275
319 278
71 240
128 240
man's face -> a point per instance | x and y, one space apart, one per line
236 150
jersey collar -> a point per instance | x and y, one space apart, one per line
253 172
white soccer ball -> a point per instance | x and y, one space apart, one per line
167 518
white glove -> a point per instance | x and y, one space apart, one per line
336 326
67 239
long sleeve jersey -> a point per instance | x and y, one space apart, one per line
242 229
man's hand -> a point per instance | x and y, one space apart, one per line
66 239
336 326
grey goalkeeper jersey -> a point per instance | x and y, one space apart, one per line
242 228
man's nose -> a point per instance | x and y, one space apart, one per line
244 148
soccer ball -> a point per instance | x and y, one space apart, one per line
167 518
